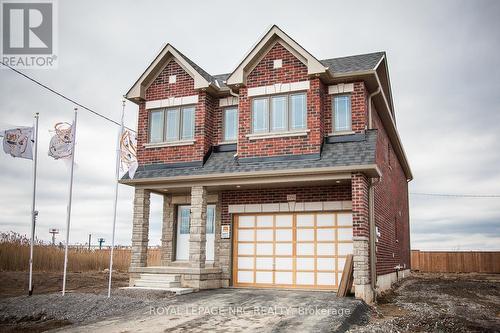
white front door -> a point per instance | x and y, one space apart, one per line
183 223
210 233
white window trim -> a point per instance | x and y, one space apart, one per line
278 133
169 144
269 135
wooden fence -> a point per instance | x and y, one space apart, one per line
455 262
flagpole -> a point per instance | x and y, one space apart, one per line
117 175
68 216
34 213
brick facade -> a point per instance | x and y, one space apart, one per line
391 207
204 119
263 74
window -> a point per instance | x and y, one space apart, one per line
260 115
210 219
156 126
230 124
279 113
185 217
342 113
171 124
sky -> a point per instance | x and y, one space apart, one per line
445 75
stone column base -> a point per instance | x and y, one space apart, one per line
364 292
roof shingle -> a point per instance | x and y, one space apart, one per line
361 152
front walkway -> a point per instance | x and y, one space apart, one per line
240 310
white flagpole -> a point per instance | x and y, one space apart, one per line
68 217
34 213
117 175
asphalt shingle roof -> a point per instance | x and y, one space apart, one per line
356 63
360 152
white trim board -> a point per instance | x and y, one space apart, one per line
341 88
278 88
172 101
291 206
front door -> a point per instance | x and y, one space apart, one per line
183 224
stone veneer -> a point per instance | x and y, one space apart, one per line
140 229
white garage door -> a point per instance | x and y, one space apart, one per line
302 250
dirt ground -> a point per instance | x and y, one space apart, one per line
16 283
439 303
420 303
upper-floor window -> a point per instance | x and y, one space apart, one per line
230 124
342 113
171 124
279 113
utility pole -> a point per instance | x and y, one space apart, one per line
101 240
54 232
90 237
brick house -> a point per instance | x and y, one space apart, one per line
272 174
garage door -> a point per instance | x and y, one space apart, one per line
302 250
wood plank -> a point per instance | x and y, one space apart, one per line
347 277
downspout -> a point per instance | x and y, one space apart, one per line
238 137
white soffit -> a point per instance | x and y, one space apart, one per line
275 34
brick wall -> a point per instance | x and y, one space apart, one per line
359 109
391 206
161 89
263 74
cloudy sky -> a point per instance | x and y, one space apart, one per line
445 74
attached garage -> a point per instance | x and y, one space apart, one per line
304 250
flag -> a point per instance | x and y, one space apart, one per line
128 152
18 142
61 143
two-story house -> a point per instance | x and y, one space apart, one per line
272 174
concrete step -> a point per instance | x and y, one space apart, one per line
157 284
176 290
160 277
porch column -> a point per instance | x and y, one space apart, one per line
140 229
361 234
167 231
197 230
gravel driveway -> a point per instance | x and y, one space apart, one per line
219 310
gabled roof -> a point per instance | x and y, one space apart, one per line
238 76
201 78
